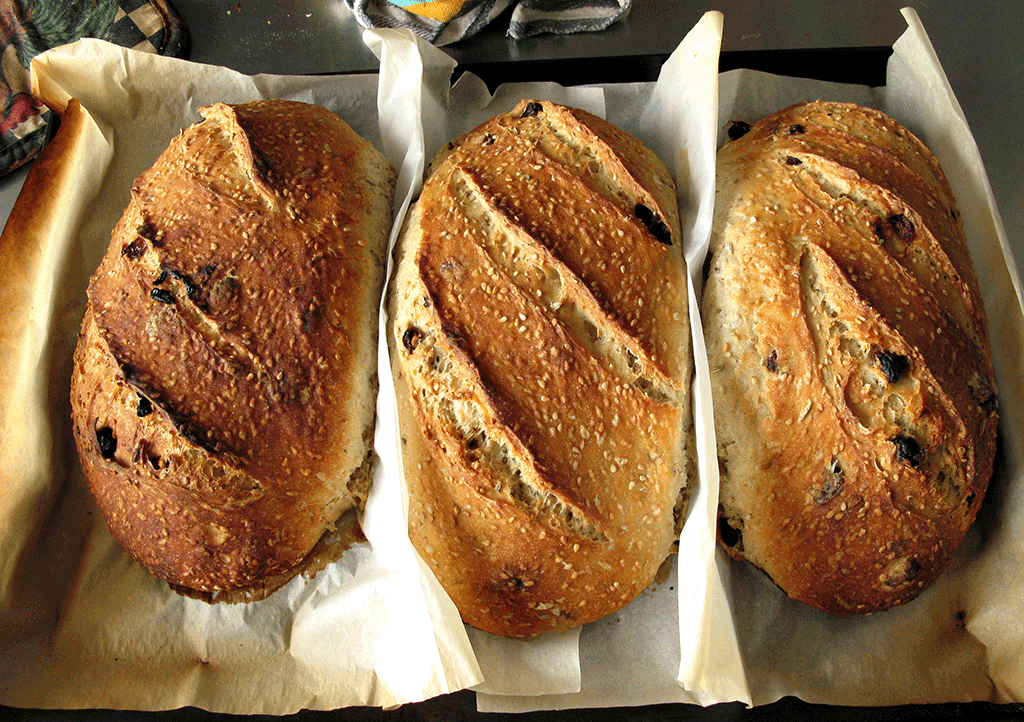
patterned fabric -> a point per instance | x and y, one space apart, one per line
149 25
445 21
28 27
536 17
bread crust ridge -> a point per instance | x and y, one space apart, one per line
540 341
855 399
224 383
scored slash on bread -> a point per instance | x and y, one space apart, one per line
224 382
540 339
855 403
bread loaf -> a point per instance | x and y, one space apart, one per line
224 383
540 343
855 403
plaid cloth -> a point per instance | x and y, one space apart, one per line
445 21
28 27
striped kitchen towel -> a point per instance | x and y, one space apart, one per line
445 21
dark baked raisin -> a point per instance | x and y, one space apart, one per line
737 129
982 393
161 278
224 289
656 226
893 365
149 232
795 129
791 160
531 110
903 226
107 442
190 286
411 339
879 228
772 362
311 319
162 295
705 269
145 407
135 249
729 534
661 232
831 484
960 619
907 449
513 583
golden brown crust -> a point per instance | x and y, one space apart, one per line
541 349
854 392
36 233
224 383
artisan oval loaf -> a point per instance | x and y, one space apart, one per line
224 382
540 342
855 402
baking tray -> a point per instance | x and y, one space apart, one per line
826 64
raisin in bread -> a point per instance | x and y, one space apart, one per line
224 382
540 343
855 403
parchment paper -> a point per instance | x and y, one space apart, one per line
632 657
963 639
373 628
83 625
